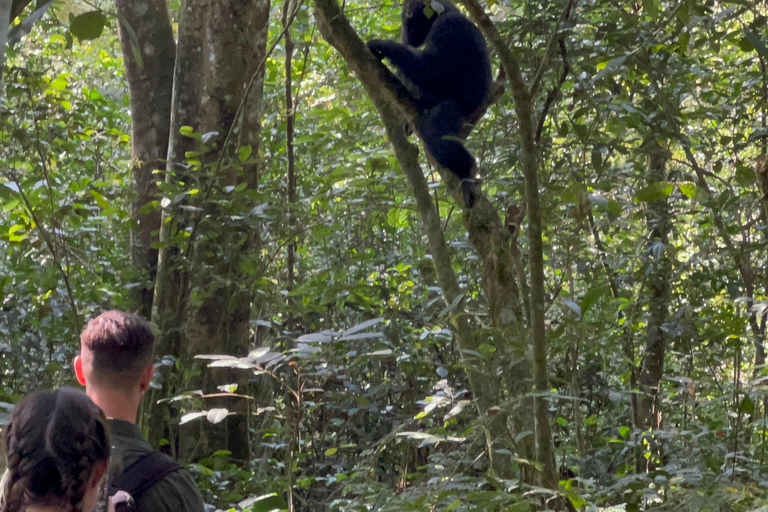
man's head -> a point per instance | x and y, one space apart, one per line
116 353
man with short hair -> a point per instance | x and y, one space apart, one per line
115 366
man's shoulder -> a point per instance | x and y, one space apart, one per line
173 490
165 485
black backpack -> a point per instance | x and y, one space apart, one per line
140 476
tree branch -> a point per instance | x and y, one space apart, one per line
544 64
553 93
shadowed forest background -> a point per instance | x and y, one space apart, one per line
335 331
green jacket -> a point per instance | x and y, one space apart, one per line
175 492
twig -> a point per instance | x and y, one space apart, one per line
544 64
553 93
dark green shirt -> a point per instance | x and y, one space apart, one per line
175 492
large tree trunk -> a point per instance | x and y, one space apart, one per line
145 32
658 308
220 59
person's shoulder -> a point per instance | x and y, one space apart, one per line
174 492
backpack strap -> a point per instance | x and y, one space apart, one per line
143 473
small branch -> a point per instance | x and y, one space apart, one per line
550 48
553 93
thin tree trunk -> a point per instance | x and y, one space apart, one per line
290 117
576 338
524 95
658 308
545 453
5 21
149 53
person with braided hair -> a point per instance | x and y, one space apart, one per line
57 454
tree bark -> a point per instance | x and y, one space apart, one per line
5 21
290 117
659 276
149 53
218 86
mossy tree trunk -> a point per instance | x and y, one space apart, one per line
149 53
659 275
202 299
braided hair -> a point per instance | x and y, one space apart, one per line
53 442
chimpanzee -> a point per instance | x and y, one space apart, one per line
450 78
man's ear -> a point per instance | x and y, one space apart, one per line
146 377
79 370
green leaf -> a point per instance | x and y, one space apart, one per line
246 267
745 176
88 25
487 350
597 159
192 416
100 199
757 42
59 84
453 506
651 9
264 503
747 406
244 153
135 49
609 67
188 131
331 451
571 194
361 326
591 297
573 306
687 189
655 192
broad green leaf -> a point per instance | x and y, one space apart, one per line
244 153
757 42
609 67
655 192
688 189
572 306
361 326
88 25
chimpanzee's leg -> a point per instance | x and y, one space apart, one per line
439 128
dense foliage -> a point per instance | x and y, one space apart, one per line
357 396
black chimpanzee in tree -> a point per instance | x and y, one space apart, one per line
450 78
